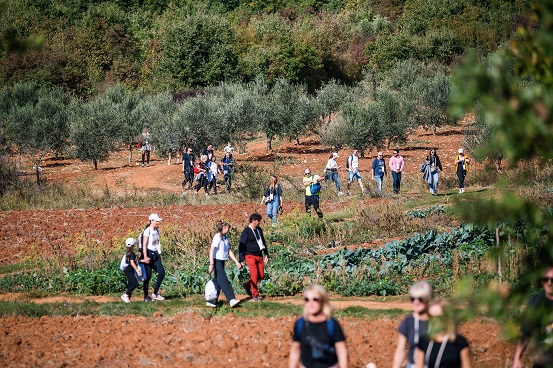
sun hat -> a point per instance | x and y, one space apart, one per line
460 150
130 242
154 217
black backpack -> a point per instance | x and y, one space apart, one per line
347 161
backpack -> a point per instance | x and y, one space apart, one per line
347 161
124 264
315 188
329 327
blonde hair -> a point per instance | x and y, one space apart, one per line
444 323
421 289
324 301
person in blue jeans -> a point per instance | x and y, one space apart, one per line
434 162
379 170
227 163
331 169
272 197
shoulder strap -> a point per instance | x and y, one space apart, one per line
299 326
329 327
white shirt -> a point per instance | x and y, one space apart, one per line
354 164
221 246
153 239
331 164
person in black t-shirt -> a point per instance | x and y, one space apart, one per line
318 339
443 347
188 160
252 250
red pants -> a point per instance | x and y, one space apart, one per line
256 267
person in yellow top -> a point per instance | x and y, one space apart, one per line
461 168
312 190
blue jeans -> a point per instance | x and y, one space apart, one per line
397 181
272 209
333 176
379 182
434 186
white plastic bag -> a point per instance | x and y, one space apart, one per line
124 263
211 292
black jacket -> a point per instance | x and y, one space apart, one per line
248 243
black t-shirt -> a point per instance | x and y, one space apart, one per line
315 340
131 257
537 326
248 243
451 357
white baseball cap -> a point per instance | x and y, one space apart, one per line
460 150
335 154
154 217
130 242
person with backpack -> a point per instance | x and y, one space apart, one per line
227 163
415 325
331 170
318 339
352 164
129 267
201 170
252 250
312 191
461 169
188 160
151 257
146 149
379 171
430 168
272 197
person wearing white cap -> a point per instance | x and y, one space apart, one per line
331 169
151 255
131 267
461 169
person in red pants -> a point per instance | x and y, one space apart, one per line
252 250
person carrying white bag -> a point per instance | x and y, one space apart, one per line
219 252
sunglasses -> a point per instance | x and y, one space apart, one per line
314 299
546 280
422 300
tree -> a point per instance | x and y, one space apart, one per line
35 120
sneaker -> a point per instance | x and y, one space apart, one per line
207 194
211 305
126 298
247 288
147 165
255 299
148 299
233 303
142 165
349 193
340 193
157 297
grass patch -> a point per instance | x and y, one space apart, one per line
11 268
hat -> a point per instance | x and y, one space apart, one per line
335 154
130 242
155 217
460 150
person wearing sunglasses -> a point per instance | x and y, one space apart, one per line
396 167
429 168
312 191
379 171
443 347
537 326
318 339
415 325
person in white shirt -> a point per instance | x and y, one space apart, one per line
151 255
353 171
212 174
229 149
331 169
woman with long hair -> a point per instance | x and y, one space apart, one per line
318 339
151 257
414 325
272 197
130 269
219 252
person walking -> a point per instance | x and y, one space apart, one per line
146 149
188 160
272 197
132 266
434 164
201 170
415 325
379 171
444 347
212 174
229 149
252 250
227 163
151 257
352 164
318 339
461 169
331 169
208 151
312 191
536 325
396 168
219 253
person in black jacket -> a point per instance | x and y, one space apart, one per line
188 160
434 161
252 250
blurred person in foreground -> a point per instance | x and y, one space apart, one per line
537 326
443 347
415 325
318 339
